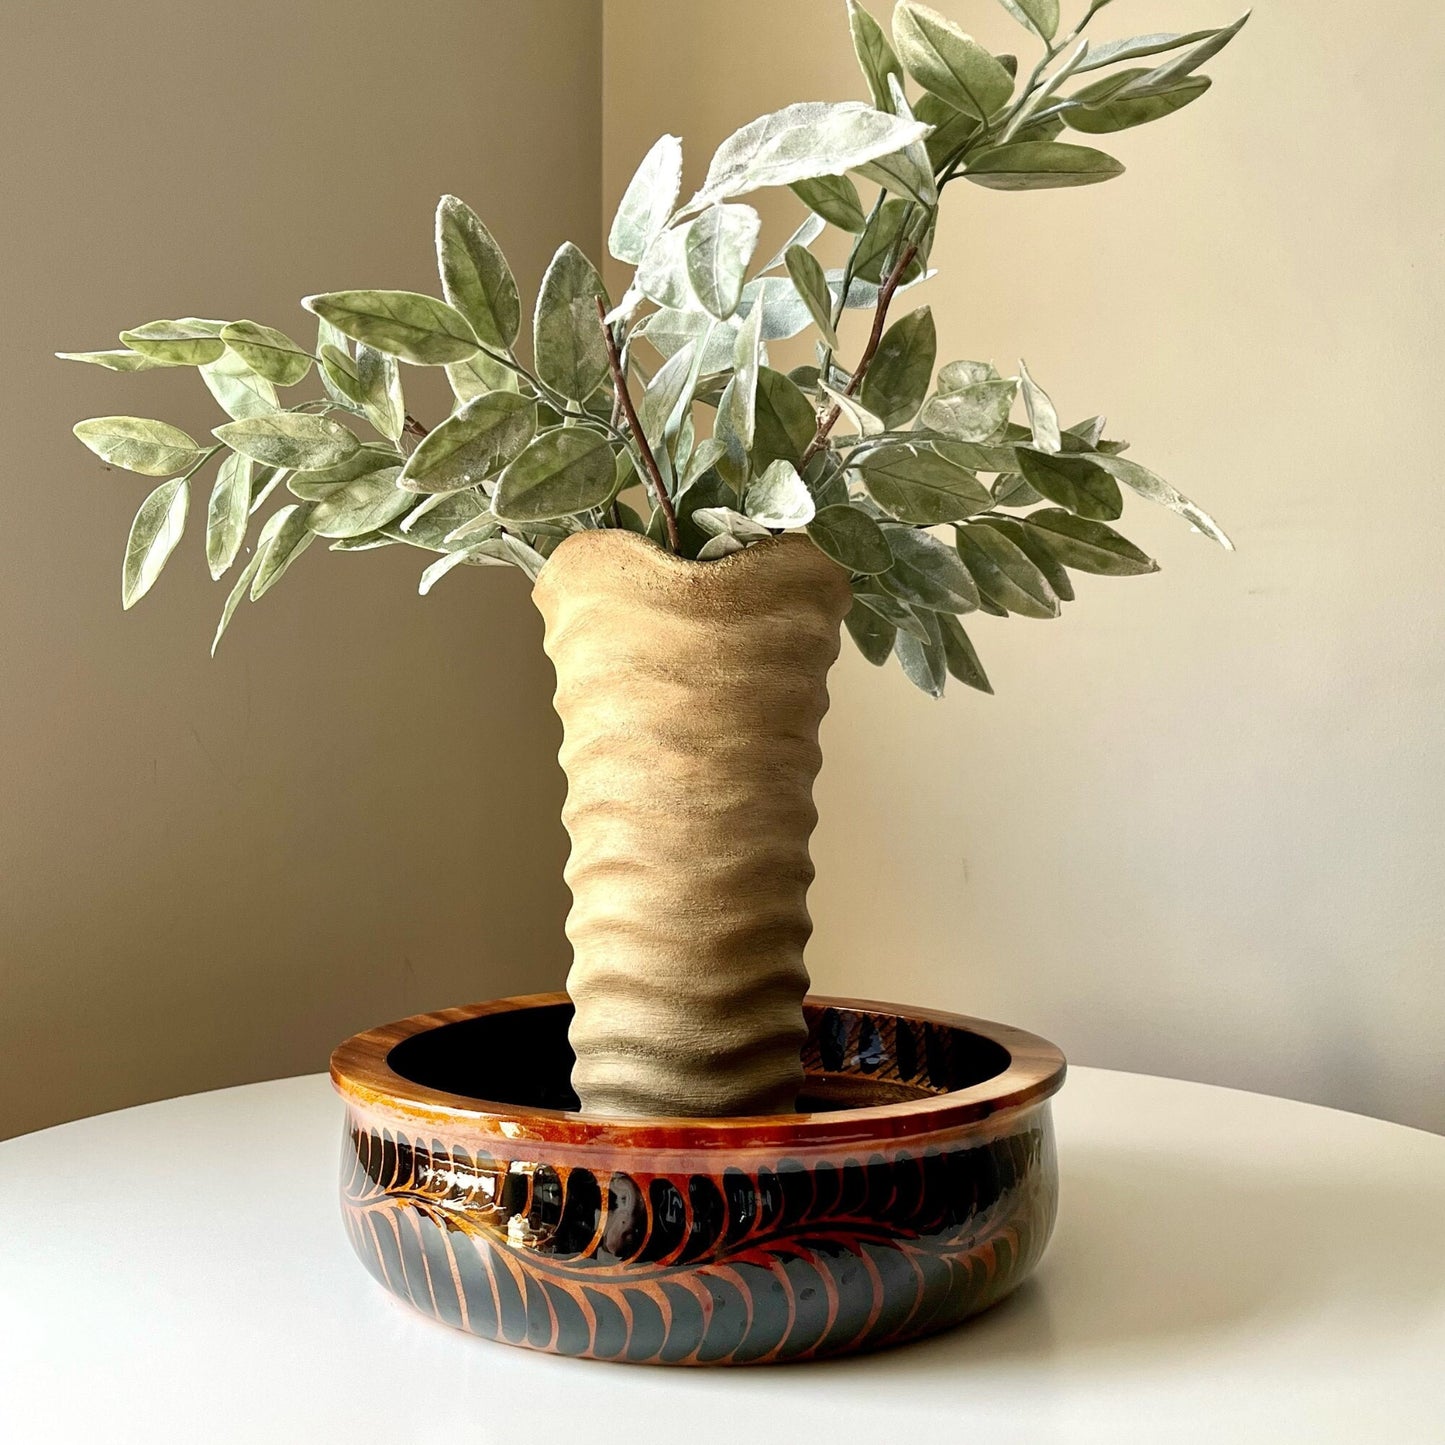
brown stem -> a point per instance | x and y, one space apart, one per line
414 427
622 395
880 315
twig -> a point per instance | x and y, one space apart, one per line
880 315
622 395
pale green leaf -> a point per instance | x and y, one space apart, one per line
704 457
233 599
811 283
728 522
563 471
1043 417
1098 110
737 412
283 539
378 377
569 349
907 172
897 378
138 444
153 537
1156 489
360 506
857 416
715 548
835 199
1040 16
961 659
472 445
647 202
268 352
897 614
667 395
124 360
475 277
785 420
1034 547
290 439
974 412
1040 165
954 66
915 484
228 512
923 661
958 374
811 138
875 55
1168 72
239 391
478 375
1111 52
720 243
953 130
662 277
779 498
873 636
513 550
417 328
190 341
851 538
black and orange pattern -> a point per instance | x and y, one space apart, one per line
766 1257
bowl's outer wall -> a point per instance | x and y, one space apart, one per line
748 1252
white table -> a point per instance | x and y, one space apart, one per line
1227 1268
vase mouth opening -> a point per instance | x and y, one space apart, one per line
502 1069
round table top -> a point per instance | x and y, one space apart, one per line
1227 1267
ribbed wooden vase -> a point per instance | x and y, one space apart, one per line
690 695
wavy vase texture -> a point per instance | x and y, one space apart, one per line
690 695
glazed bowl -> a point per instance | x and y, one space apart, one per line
916 1186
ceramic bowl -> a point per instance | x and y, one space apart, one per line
916 1186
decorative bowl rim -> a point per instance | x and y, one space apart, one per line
362 1075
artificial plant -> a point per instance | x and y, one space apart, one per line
660 414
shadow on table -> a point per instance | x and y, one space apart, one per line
1153 1257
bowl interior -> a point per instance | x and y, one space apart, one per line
853 1058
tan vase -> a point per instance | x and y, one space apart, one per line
690 695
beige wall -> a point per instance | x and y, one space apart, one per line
214 870
1198 831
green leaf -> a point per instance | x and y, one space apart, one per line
852 411
915 484
811 283
720 244
1043 418
283 539
472 445
1094 110
290 439
962 661
476 279
779 498
1005 573
875 55
648 201
907 172
880 243
562 472
187 342
138 444
893 612
897 378
153 536
116 360
1084 545
417 328
439 569
268 352
958 374
512 550
834 198
954 66
952 129
233 600
339 378
977 456
662 277
784 421
737 412
228 512
1040 165
1156 489
569 348
923 661
239 391
727 522
852 539
811 138
432 524
667 397
873 635
1111 52
361 506
378 377
312 486
972 413
1079 483
927 573
1033 546
1040 16
478 375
